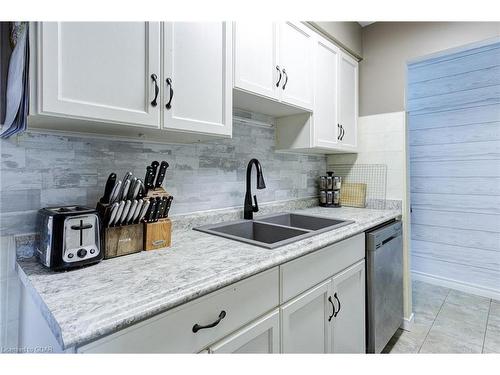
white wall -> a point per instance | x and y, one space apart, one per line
381 140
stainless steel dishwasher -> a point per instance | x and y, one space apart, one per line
384 284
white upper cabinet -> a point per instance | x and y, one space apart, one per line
99 71
197 82
296 63
348 100
255 58
147 80
273 61
332 126
325 132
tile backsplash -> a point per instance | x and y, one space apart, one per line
39 170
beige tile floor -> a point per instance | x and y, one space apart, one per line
449 321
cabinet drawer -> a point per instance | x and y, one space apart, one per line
303 273
172 331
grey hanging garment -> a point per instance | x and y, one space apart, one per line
17 94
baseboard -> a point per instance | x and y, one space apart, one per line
408 323
457 285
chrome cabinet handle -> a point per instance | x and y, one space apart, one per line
333 307
286 78
197 327
154 77
169 84
279 79
340 306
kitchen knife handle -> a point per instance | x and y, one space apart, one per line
108 189
154 77
169 84
161 173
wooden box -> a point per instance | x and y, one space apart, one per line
124 240
157 235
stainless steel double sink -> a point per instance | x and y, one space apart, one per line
274 230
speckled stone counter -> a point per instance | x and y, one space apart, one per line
84 304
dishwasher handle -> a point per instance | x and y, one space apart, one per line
389 239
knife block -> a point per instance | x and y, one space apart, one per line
124 240
158 235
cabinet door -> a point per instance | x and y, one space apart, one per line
259 337
255 53
305 326
100 70
349 318
296 61
348 99
325 94
197 83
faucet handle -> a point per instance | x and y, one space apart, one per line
255 208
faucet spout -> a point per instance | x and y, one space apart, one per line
249 207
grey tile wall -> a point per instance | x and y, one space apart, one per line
39 170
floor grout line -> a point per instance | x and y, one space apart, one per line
432 325
486 329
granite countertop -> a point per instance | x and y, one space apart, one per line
84 304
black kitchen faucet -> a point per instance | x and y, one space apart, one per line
249 207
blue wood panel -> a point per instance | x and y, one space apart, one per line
466 256
457 54
455 168
455 100
465 81
454 66
460 220
485 132
454 122
456 185
455 236
483 278
487 150
453 203
458 117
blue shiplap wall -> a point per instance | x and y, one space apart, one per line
454 121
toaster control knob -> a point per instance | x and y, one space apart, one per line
81 253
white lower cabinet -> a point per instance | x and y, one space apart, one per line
329 318
259 337
194 326
306 328
312 304
349 318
